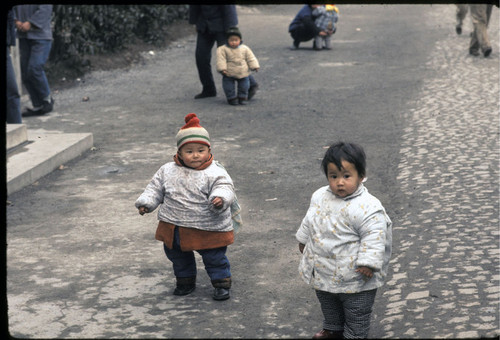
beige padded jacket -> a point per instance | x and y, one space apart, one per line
237 62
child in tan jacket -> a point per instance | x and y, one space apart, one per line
235 61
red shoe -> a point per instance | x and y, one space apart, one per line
326 334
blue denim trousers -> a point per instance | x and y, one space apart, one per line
184 263
34 55
13 98
229 88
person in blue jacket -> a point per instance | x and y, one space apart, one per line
212 22
302 27
35 41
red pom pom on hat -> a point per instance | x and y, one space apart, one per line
191 121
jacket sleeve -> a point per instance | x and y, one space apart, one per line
304 11
303 233
154 194
42 16
252 61
230 16
373 234
223 188
221 64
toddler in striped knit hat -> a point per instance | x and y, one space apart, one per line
196 197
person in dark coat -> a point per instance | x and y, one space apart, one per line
212 22
302 28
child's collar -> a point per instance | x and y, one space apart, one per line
178 160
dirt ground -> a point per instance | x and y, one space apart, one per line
62 77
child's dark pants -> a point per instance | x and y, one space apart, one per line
347 312
184 263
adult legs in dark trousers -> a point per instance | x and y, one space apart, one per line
34 55
301 34
203 54
204 44
462 10
480 15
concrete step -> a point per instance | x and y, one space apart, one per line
41 154
17 134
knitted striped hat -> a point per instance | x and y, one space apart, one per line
192 132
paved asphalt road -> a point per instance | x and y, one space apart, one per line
82 263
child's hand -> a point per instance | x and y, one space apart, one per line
218 202
224 72
301 247
256 69
322 33
143 210
365 271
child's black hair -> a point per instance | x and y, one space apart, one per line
349 152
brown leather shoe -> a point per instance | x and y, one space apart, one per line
326 334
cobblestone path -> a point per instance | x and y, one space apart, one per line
449 288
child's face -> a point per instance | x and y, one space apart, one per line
345 181
194 154
233 41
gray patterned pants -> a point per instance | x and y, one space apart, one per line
480 15
347 312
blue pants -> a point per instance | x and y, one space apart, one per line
229 89
13 98
184 263
34 54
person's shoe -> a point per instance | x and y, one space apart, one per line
296 44
487 52
31 113
221 294
48 106
242 101
475 53
458 29
326 334
233 101
252 91
184 289
205 95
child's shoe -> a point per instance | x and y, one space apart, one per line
326 334
252 91
221 291
184 289
185 285
221 294
242 101
233 101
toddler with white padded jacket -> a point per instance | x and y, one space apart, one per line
346 242
195 195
